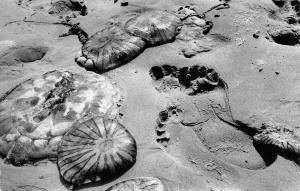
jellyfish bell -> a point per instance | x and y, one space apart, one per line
97 149
154 26
109 48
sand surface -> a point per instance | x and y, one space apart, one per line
262 78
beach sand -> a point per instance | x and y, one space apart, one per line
262 78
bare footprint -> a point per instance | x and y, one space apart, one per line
206 111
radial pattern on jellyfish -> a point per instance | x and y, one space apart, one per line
155 26
97 149
35 114
138 184
109 48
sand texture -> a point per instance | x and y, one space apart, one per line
149 95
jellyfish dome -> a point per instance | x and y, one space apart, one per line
109 48
154 26
97 149
35 114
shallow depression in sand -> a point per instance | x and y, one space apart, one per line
23 53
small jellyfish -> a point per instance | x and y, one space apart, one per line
155 27
97 149
139 184
287 140
109 48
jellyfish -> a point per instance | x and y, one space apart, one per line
139 184
155 26
35 114
283 138
97 149
109 48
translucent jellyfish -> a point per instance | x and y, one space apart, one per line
97 149
283 138
155 26
109 48
35 114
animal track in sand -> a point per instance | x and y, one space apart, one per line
203 110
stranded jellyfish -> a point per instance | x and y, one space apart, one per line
97 149
35 114
109 48
155 26
283 138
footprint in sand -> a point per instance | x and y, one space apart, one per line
202 105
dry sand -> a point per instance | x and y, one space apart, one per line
262 77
